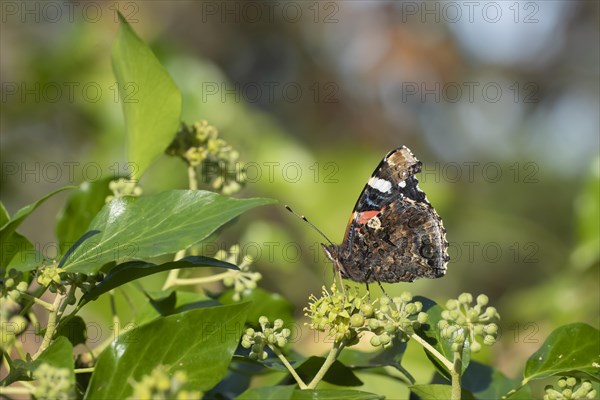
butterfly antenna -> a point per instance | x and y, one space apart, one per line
303 218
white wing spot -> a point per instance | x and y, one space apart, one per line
382 185
402 184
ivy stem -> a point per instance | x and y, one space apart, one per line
51 326
287 364
202 280
45 304
447 363
331 357
455 374
83 370
174 273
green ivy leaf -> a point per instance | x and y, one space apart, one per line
569 350
391 356
150 226
438 392
20 254
290 393
199 342
79 210
431 333
151 100
74 329
337 374
132 270
487 383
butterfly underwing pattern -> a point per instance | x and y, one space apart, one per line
394 234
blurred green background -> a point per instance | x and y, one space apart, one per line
499 100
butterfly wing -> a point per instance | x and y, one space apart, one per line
394 234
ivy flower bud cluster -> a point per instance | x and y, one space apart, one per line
159 385
398 317
244 280
12 324
200 146
339 316
570 388
345 317
52 383
123 187
462 321
275 336
57 279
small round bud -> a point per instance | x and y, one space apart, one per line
246 344
384 339
446 315
491 329
384 309
374 324
491 312
375 342
465 298
419 306
451 304
14 294
9 282
478 329
250 332
591 394
473 315
482 300
251 285
357 320
571 381
286 333
366 309
422 318
475 347
264 321
562 383
410 308
406 297
281 342
567 393
278 324
384 301
489 340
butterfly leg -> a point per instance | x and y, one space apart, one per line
368 275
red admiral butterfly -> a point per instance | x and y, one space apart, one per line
394 234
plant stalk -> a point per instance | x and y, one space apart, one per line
52 324
331 357
287 364
455 373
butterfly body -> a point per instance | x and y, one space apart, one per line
394 234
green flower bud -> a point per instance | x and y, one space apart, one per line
489 340
9 282
591 394
473 315
410 308
446 315
419 306
281 342
278 324
491 329
491 312
406 297
456 347
567 393
357 320
571 381
475 347
451 304
384 339
250 332
375 342
263 321
374 324
286 333
465 298
422 318
366 309
482 300
257 348
384 301
14 294
246 344
562 383
253 356
478 330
